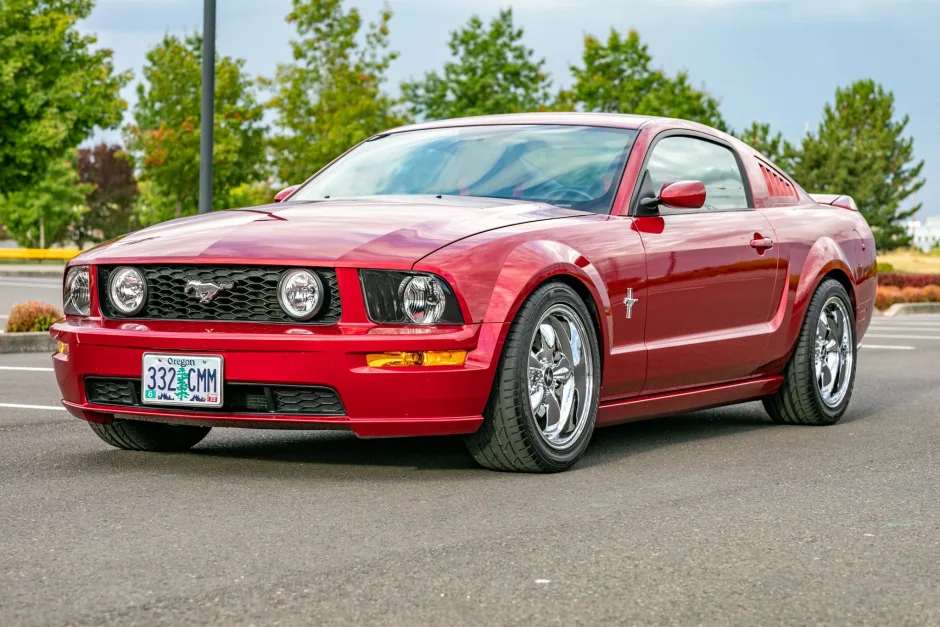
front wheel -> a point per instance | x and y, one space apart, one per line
819 379
543 405
136 435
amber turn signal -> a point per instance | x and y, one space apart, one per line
425 358
62 348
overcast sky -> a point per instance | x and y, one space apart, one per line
777 61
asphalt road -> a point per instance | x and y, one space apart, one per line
713 518
15 290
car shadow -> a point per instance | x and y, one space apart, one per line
448 453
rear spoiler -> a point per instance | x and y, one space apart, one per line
836 200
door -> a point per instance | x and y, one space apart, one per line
711 271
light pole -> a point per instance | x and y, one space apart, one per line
207 138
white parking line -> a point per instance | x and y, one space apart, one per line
903 337
886 347
45 407
906 329
26 368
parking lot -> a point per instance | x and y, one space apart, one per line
718 517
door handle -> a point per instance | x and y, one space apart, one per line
764 243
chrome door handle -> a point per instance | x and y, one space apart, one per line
766 243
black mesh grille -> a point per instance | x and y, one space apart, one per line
306 401
238 398
252 296
111 391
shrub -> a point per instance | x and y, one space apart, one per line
32 316
887 296
912 294
932 293
894 279
884 267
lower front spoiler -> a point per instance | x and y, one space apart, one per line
362 427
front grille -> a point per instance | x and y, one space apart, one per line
237 398
252 297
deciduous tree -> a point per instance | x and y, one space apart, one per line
491 71
331 97
164 137
618 77
54 87
860 149
110 173
44 213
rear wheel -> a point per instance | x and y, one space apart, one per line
542 409
819 379
135 435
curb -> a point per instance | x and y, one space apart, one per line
27 343
910 309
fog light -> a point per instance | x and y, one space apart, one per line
425 358
62 348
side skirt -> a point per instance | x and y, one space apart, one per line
642 407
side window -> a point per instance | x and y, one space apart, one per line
689 159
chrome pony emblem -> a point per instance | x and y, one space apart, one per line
629 301
205 290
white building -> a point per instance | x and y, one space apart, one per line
926 234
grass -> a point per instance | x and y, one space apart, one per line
912 262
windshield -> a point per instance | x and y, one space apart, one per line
576 167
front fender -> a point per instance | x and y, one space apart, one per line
494 281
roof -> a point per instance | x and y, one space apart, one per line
615 120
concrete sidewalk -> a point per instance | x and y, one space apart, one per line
39 270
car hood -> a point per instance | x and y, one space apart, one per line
367 231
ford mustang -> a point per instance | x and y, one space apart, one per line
518 280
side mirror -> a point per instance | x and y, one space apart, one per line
284 193
680 195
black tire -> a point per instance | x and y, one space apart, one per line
135 435
799 401
510 438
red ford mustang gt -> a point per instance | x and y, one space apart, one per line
516 279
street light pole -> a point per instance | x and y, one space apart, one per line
207 138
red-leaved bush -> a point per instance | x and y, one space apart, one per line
888 295
894 279
32 316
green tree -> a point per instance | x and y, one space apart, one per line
331 97
46 212
54 88
164 137
491 71
110 173
619 77
860 149
773 146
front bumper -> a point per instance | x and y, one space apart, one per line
378 402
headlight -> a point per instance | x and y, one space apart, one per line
127 290
409 298
300 293
77 294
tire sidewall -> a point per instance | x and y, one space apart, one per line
542 300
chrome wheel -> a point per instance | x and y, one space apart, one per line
560 377
834 352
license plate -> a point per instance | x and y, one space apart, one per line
191 380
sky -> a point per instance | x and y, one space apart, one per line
776 61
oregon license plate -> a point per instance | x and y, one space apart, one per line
191 380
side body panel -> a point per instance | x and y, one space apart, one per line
496 271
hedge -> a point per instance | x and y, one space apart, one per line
895 279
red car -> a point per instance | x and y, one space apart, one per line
515 279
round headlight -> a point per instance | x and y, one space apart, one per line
422 299
300 293
127 291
